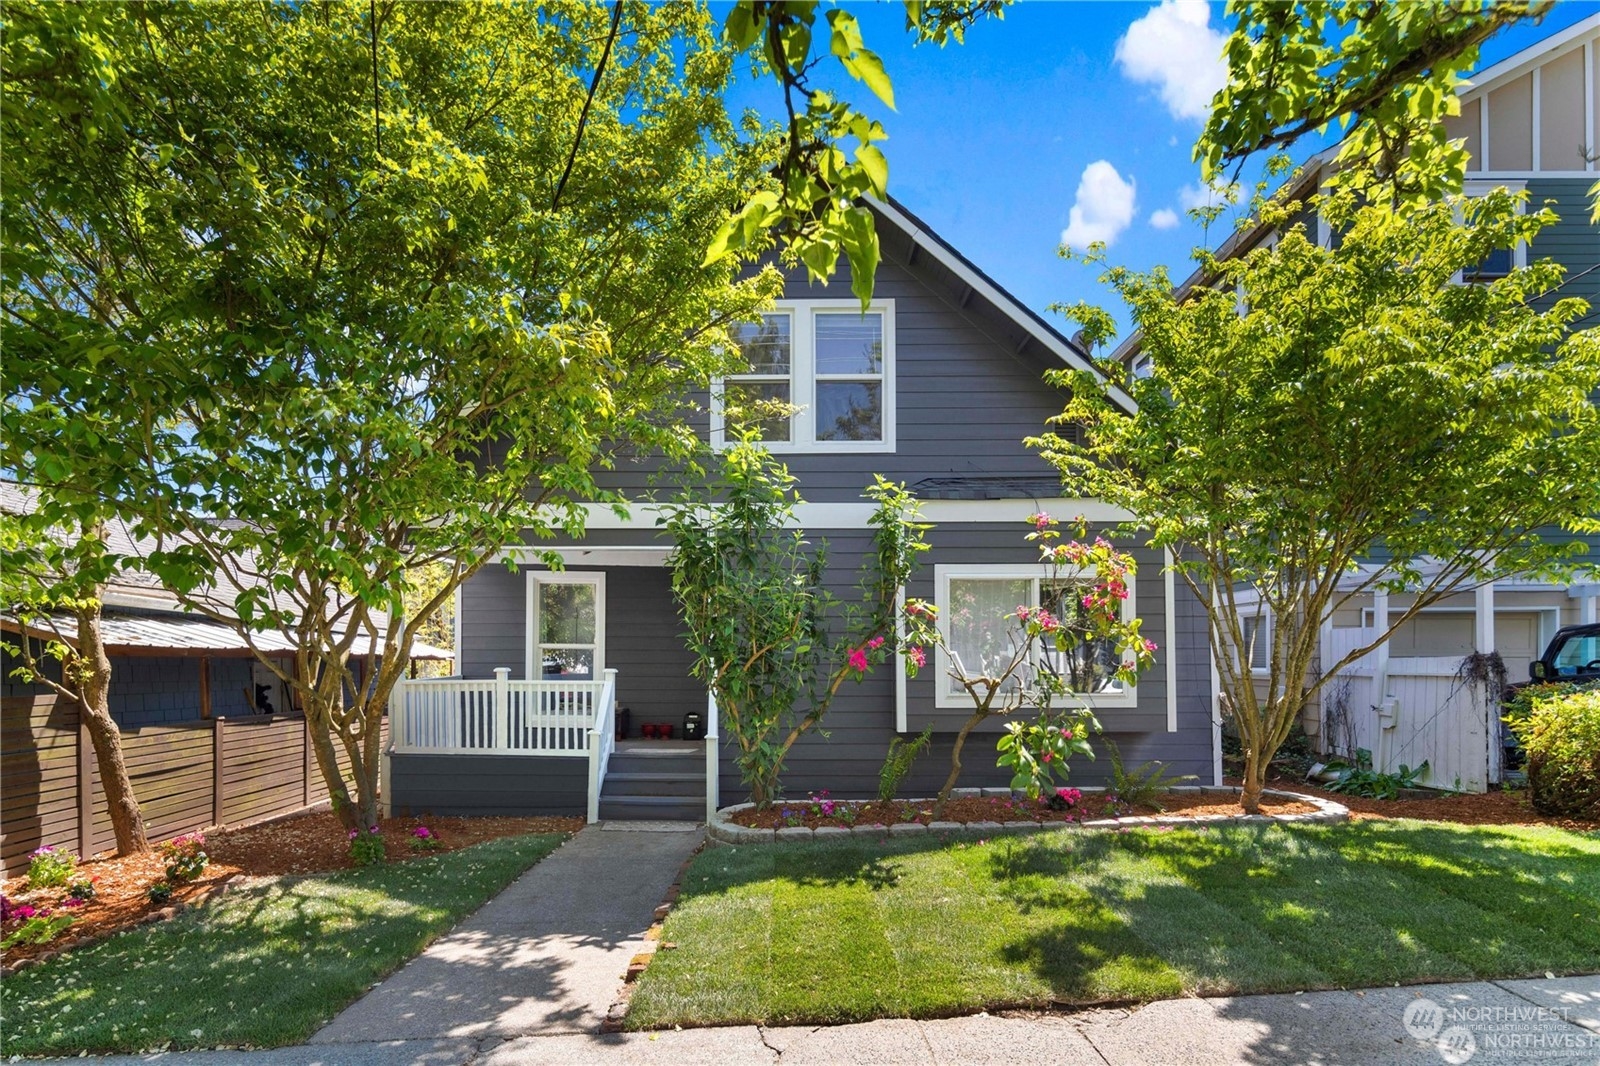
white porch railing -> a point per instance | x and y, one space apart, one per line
602 740
713 784
498 717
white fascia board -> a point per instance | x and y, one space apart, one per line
1484 80
1001 299
602 517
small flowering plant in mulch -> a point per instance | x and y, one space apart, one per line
424 839
185 857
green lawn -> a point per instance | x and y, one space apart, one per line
840 932
262 966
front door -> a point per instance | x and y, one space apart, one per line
566 626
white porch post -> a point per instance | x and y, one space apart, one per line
1483 630
1380 657
502 708
713 780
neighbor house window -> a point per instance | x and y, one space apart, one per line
820 377
1257 632
974 604
1501 261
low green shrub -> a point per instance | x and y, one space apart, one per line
49 867
1360 779
897 764
185 857
1520 705
1141 786
1561 735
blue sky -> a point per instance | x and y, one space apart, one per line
992 138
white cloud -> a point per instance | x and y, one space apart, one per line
1174 47
1102 209
1166 218
1202 195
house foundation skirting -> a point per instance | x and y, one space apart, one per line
488 784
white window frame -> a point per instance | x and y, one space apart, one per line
1262 643
803 381
597 578
942 575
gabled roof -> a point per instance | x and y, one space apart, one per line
1036 328
1530 55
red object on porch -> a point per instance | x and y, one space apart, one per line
649 730
665 729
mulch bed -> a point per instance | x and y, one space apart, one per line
1090 807
304 844
1496 807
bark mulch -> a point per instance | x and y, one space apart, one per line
1501 806
1090 807
303 844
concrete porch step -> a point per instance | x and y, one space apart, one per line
653 784
653 808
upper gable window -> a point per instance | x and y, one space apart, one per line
828 364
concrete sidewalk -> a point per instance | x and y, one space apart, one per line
1539 1021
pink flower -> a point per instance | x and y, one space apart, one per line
422 832
72 901
875 643
1046 757
1129 664
1069 796
1041 521
1150 646
858 660
23 910
353 834
918 656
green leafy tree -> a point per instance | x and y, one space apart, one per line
772 643
1049 656
423 593
1322 423
54 564
1387 72
319 295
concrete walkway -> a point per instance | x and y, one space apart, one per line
545 956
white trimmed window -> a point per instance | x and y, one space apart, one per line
974 602
827 360
1502 261
1257 632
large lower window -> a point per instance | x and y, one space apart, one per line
820 378
974 604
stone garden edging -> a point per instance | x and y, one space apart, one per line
722 830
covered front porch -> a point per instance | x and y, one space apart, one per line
501 746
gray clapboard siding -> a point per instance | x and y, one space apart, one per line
488 784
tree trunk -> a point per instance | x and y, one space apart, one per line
94 687
1255 779
955 766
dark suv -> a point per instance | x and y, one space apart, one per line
1572 655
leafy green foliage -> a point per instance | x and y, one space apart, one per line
1141 786
1523 701
1389 72
813 204
897 763
316 331
49 867
1311 410
1360 779
768 638
39 929
1054 653
1561 735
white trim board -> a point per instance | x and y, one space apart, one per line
602 516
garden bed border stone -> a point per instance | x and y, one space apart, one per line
722 830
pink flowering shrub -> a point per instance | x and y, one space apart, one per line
424 839
185 856
1057 652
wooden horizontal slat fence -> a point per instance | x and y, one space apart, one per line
186 776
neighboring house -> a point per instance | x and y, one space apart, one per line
1530 122
167 663
936 386
189 698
